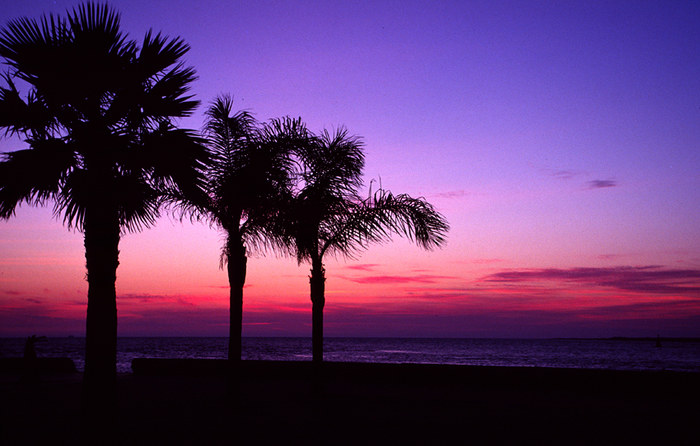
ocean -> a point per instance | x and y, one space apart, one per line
617 354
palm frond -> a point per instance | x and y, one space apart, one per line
177 156
153 87
334 164
167 96
98 26
227 131
158 52
20 117
287 133
138 202
176 159
33 175
74 199
379 217
25 43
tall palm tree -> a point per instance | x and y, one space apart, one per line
98 120
328 216
249 175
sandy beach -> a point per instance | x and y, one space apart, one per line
195 402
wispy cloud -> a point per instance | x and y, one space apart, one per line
649 279
158 299
393 279
559 174
565 174
363 266
486 261
225 287
450 194
144 297
601 184
569 174
609 256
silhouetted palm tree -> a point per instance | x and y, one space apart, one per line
102 146
250 174
328 216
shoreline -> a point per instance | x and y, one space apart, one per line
648 339
195 402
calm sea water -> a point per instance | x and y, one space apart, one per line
569 353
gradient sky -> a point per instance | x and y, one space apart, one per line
561 140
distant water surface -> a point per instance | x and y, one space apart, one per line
628 354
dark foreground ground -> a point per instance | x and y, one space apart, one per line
193 402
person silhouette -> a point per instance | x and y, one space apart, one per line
29 349
30 358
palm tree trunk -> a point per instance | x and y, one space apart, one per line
318 301
101 231
237 263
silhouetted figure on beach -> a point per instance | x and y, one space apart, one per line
29 346
31 372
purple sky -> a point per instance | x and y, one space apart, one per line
560 139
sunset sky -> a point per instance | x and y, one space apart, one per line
560 139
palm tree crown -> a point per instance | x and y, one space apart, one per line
250 169
332 165
97 103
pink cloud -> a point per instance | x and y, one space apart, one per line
414 278
486 261
601 184
363 266
450 194
609 256
649 279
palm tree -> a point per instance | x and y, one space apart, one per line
328 216
98 120
250 174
